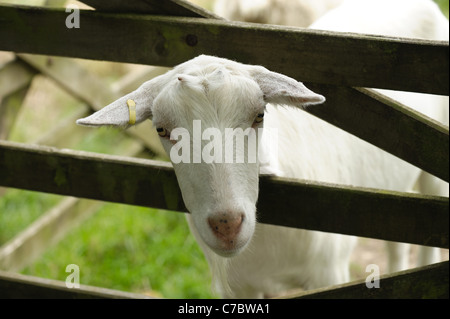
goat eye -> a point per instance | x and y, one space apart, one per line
259 118
162 131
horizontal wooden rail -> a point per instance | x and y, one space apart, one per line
17 286
429 282
379 214
308 55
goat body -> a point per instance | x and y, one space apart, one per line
299 13
419 19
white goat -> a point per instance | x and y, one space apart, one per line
299 13
249 259
226 94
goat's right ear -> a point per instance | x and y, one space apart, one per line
281 89
130 109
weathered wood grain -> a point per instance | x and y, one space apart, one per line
429 282
18 286
362 212
308 55
379 214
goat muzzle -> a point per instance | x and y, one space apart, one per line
226 228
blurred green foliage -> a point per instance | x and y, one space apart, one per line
443 4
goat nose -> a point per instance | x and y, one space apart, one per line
226 226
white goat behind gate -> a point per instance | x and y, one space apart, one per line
249 259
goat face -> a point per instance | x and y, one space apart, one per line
208 112
209 119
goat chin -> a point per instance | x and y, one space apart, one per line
227 253
217 247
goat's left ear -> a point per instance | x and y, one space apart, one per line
130 109
280 89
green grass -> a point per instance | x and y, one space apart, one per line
443 4
132 249
20 208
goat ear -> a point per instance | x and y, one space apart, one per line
130 109
280 89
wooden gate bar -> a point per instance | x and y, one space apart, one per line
428 282
381 214
17 286
167 41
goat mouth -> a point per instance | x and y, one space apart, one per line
228 252
229 247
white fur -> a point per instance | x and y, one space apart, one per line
299 13
420 19
261 259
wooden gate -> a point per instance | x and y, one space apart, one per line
166 33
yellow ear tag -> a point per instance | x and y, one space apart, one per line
132 110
